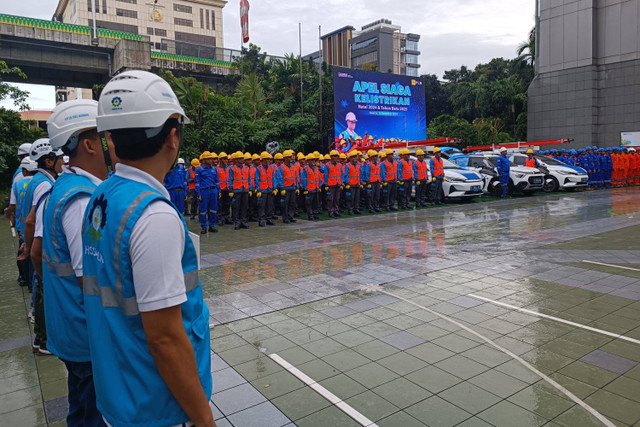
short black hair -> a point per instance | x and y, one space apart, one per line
41 161
134 144
87 134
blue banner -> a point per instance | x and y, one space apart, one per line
378 105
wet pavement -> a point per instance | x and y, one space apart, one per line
517 312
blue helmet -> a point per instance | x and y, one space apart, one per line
573 152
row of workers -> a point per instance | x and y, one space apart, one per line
255 186
611 166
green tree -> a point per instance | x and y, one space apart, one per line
251 93
18 96
448 126
527 49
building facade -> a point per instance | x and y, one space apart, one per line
587 84
380 44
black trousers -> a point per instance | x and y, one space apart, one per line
311 203
373 196
223 207
193 202
353 198
421 193
438 194
239 206
265 206
405 193
333 199
389 195
288 205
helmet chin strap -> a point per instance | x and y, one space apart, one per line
106 152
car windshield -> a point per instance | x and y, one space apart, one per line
493 160
550 161
449 165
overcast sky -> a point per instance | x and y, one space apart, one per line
453 32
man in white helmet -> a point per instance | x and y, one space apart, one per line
18 175
147 321
49 167
72 129
350 132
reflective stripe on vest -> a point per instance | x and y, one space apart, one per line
374 172
222 177
335 171
390 168
530 162
263 181
353 177
407 170
312 178
240 178
192 178
438 167
421 168
288 176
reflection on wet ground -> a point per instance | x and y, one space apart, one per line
400 355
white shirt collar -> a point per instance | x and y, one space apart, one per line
81 172
47 174
135 174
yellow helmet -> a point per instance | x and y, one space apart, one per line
353 153
316 153
247 156
213 156
327 157
278 156
343 156
358 138
419 152
389 151
437 150
255 157
310 156
301 156
195 162
265 155
204 155
529 151
372 153
334 153
222 155
287 153
382 154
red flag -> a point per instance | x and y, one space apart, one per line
244 20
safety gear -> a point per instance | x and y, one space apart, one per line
306 193
316 153
29 164
372 153
250 193
382 155
278 156
353 154
438 167
417 182
41 147
297 192
404 151
230 194
205 155
347 187
334 153
137 99
529 151
259 194
301 156
358 138
433 179
266 155
24 149
213 155
436 150
68 120
350 117
195 162
222 155
343 156
419 152
503 150
389 151
287 153
275 192
180 161
247 156
255 157
327 157
326 188
283 192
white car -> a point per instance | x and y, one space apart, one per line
460 183
521 178
557 174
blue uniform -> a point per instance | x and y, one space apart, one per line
608 169
20 190
129 388
504 168
208 188
176 183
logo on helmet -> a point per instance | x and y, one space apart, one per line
116 103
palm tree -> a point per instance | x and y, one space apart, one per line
527 49
250 91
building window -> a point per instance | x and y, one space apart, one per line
128 1
104 6
90 5
411 59
159 32
183 22
207 20
127 13
362 45
201 18
413 72
411 45
367 58
182 8
213 20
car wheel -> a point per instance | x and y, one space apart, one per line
551 186
511 188
495 188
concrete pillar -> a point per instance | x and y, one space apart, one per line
132 55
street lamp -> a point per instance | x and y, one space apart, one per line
94 39
153 21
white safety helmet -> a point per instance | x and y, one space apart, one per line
42 147
24 149
28 164
503 150
180 161
68 120
632 150
137 99
351 117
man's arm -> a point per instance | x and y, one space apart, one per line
29 230
36 255
176 362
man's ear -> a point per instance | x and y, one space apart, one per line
173 138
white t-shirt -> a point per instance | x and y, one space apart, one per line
155 248
72 219
38 192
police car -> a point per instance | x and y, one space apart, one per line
460 183
558 175
521 178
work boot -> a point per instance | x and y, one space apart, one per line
244 225
269 222
213 229
203 231
261 224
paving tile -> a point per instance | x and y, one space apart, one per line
300 403
402 340
461 367
401 392
342 386
361 305
226 379
615 406
371 375
346 360
400 419
470 397
507 413
608 361
237 399
375 350
437 412
262 415
371 405
402 363
330 416
56 409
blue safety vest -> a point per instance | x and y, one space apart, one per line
37 179
67 335
20 190
129 388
